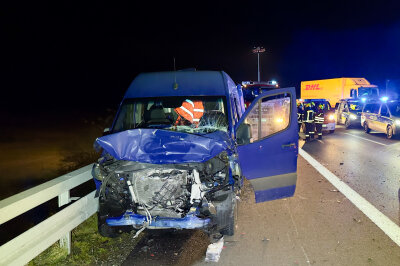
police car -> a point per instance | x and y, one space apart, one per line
348 112
329 113
382 116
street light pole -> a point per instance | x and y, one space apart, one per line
258 50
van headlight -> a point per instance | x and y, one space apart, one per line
354 117
97 173
397 122
331 117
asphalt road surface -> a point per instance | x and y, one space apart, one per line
318 226
368 163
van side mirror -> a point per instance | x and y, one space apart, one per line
243 134
106 131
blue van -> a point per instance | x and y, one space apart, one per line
179 148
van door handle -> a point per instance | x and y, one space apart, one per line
290 145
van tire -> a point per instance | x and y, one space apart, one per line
104 229
389 132
366 128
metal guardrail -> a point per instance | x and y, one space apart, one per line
31 243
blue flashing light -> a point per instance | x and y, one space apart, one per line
363 100
273 82
384 99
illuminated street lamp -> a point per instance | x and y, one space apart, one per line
258 50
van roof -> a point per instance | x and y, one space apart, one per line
190 83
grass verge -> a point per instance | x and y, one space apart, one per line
89 248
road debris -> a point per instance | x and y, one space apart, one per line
334 190
214 251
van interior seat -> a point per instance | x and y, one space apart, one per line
156 114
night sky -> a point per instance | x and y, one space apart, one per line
84 56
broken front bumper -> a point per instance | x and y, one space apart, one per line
190 221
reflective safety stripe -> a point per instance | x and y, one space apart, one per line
189 101
187 111
192 111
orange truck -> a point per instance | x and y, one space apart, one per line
339 88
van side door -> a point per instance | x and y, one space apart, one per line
267 141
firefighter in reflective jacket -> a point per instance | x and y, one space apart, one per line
189 113
309 120
319 120
300 115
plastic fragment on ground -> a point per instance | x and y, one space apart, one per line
214 251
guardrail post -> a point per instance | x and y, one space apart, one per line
65 241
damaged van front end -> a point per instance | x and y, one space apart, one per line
158 179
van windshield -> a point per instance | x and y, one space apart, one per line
188 114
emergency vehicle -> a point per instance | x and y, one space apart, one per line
338 88
251 89
348 112
179 148
382 116
329 113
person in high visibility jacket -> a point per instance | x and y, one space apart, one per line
300 115
189 113
309 120
319 120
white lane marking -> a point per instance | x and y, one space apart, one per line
305 254
391 229
366 139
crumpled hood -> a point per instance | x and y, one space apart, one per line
164 147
